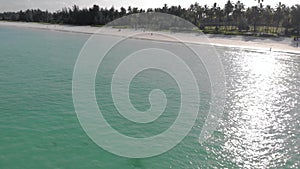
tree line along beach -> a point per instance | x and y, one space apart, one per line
232 18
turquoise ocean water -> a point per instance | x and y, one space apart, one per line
39 128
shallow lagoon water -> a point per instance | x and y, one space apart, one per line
260 127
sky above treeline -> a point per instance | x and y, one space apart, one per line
54 5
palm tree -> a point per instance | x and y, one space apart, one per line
279 14
253 15
129 10
194 14
213 13
165 8
268 15
228 10
122 11
237 12
219 15
295 18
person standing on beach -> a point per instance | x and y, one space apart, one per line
296 39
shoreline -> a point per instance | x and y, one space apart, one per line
280 44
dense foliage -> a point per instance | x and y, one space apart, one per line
282 20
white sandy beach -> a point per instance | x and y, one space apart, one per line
276 44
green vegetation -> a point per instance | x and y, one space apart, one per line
231 19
